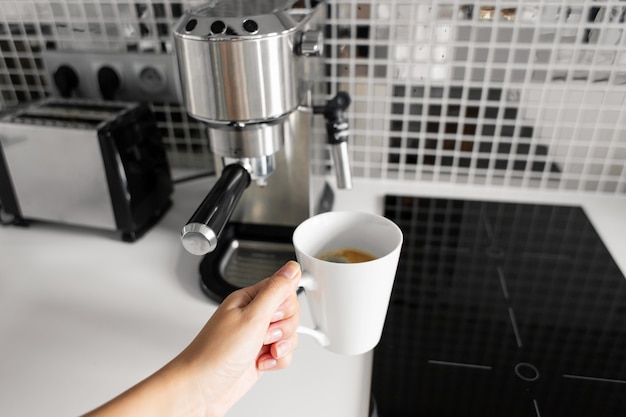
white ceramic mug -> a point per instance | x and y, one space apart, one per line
348 301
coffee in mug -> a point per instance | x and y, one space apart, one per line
346 256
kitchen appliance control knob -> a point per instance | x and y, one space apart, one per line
311 43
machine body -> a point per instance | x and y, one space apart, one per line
248 70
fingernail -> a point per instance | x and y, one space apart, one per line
278 315
273 336
289 270
282 349
268 364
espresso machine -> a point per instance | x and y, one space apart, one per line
249 70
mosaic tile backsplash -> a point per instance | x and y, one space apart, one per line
510 93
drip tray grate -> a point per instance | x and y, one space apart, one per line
246 255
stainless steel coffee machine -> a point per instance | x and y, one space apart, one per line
249 70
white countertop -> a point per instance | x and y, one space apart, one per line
83 316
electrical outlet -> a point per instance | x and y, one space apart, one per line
123 76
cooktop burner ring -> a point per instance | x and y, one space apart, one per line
527 372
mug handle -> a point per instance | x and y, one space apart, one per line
308 283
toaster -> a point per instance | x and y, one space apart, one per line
100 165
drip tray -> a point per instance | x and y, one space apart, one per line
245 255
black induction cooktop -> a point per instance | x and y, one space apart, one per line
501 309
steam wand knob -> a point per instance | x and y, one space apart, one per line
338 133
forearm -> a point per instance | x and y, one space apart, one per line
167 393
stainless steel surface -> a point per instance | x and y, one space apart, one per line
338 133
74 162
221 80
236 75
259 168
198 238
45 183
341 160
287 199
247 70
247 141
64 116
37 141
247 262
78 114
312 43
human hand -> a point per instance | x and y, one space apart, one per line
253 330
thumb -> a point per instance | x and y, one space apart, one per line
275 290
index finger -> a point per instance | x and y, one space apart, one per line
275 292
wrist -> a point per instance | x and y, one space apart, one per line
179 393
186 383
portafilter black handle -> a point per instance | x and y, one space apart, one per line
201 233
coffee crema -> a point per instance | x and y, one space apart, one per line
346 256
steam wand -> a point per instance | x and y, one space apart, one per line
338 133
